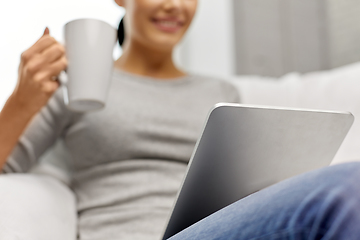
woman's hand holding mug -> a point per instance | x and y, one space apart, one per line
39 66
89 45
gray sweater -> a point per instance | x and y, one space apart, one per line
129 159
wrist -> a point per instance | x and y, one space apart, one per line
16 107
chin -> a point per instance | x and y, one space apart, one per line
163 44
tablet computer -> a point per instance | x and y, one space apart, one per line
244 149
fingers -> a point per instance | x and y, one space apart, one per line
50 86
57 67
51 70
38 59
46 31
50 55
41 45
53 53
39 64
44 42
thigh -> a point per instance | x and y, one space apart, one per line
321 204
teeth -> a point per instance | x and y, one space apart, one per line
168 23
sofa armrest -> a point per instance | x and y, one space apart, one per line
35 207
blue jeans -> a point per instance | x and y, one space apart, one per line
321 204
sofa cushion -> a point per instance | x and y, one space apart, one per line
337 89
35 207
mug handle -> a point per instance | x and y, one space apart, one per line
63 80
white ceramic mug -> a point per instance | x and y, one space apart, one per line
89 45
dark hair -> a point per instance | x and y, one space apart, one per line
121 32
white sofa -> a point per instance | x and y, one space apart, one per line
337 89
34 206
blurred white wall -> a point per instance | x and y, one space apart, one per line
344 32
208 47
22 22
275 37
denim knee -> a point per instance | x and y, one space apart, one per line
342 175
332 208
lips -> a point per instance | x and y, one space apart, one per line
170 25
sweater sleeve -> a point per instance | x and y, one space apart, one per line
41 133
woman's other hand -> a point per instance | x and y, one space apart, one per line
39 66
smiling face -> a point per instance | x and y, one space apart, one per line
158 24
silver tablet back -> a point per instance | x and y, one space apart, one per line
246 148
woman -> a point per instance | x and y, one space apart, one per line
129 158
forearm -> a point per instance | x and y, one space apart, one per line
13 121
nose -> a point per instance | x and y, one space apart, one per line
173 5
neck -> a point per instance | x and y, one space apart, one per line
142 60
